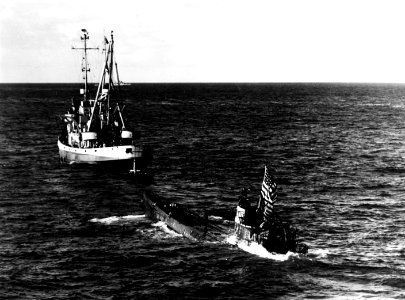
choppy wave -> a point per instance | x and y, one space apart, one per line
163 226
73 231
259 250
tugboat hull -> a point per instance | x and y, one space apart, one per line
94 155
118 155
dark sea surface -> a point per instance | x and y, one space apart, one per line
79 232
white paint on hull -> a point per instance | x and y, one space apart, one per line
95 155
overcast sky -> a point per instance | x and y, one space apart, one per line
207 41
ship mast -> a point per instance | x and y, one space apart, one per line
110 79
85 69
108 70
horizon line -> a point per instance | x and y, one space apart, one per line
220 82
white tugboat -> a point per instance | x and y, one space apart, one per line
95 129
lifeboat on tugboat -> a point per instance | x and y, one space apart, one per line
95 129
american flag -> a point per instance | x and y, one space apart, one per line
269 191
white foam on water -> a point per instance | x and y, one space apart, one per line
216 218
232 239
106 221
114 219
166 229
133 217
320 253
259 250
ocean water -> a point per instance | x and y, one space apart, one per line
79 232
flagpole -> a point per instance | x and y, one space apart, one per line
259 204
